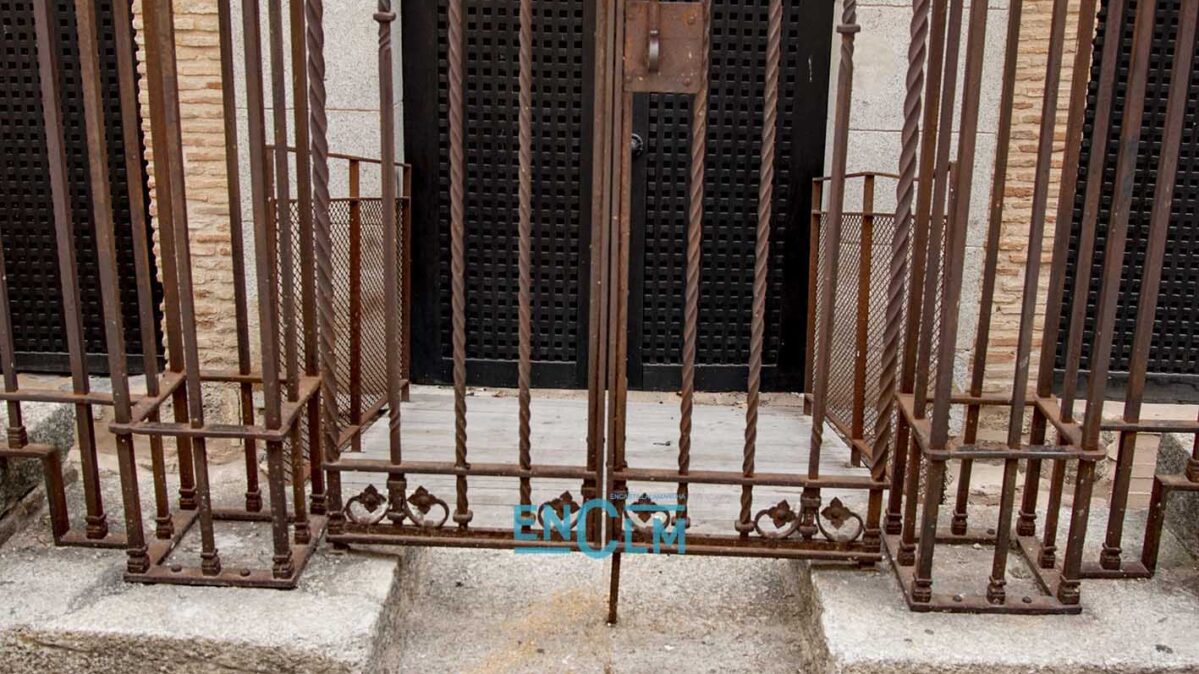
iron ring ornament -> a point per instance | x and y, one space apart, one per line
785 521
645 512
564 506
367 508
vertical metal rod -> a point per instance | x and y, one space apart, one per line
848 27
1032 276
355 273
817 214
314 11
1080 80
161 33
694 250
903 245
525 294
978 372
938 218
385 16
135 181
862 318
456 58
286 255
1109 293
106 252
237 248
405 271
955 244
757 330
1108 72
46 26
170 276
304 188
267 277
1159 225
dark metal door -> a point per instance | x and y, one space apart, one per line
563 54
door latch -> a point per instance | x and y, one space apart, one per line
665 48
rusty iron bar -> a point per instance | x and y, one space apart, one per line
694 250
237 248
862 319
996 593
396 484
304 202
525 226
355 180
106 251
757 337
457 76
322 241
982 338
267 277
847 28
143 273
49 67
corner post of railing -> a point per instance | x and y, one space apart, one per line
355 292
865 263
813 281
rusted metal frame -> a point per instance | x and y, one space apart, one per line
952 283
1163 486
264 225
456 76
49 66
106 250
283 266
618 111
355 274
406 278
1130 136
396 483
237 248
1163 199
994 229
910 239
304 201
847 28
1080 81
525 230
1032 274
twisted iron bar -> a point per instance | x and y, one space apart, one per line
462 514
525 300
905 192
757 335
695 234
323 242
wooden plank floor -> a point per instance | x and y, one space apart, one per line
559 437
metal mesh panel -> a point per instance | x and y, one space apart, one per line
28 220
491 108
730 192
1174 331
372 272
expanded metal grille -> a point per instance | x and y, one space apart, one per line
730 194
373 347
492 74
28 220
1175 336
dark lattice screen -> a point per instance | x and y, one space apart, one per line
492 88
1176 334
27 224
730 193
